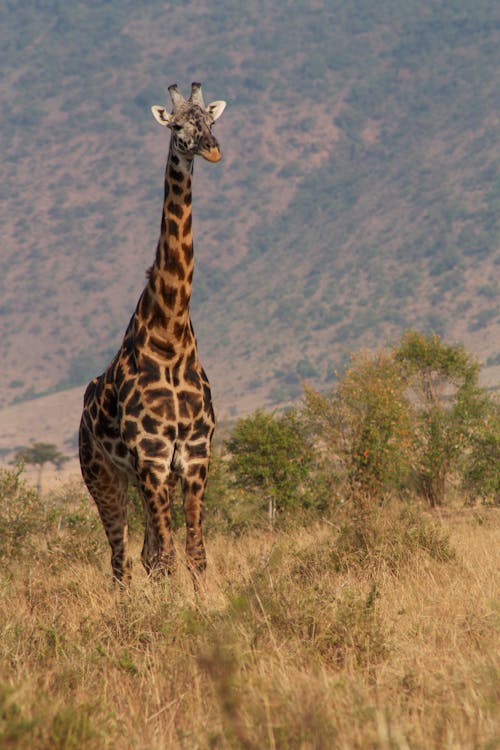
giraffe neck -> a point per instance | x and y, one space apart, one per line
162 320
172 272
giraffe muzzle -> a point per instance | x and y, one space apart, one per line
211 154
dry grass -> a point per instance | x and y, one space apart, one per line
295 644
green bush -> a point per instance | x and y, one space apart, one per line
481 474
447 404
413 416
59 527
270 460
228 509
363 426
20 511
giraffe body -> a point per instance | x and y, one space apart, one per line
148 419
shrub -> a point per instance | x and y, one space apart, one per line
71 528
20 511
388 536
481 475
228 509
270 459
62 526
371 538
363 425
447 406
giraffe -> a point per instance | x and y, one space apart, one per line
148 419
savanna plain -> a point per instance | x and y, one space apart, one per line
368 626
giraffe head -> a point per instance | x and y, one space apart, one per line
191 123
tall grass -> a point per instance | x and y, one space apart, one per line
367 629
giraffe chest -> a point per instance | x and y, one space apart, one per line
156 417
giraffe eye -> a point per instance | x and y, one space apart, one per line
176 128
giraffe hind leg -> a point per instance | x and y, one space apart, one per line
193 491
158 553
108 487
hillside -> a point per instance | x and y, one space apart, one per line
358 194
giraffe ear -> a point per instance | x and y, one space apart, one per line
215 109
161 115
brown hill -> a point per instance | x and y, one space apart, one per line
358 194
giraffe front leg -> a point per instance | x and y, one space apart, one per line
158 554
114 520
194 490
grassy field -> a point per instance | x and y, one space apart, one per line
371 628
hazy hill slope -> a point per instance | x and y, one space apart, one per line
358 194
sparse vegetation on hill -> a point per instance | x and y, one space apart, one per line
358 194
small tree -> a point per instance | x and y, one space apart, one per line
481 470
447 403
363 425
40 454
270 458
